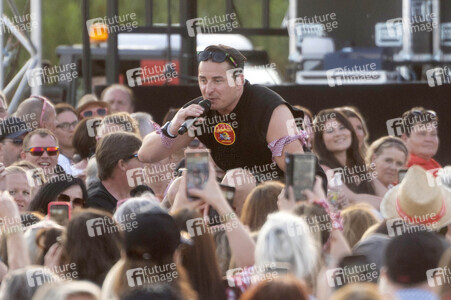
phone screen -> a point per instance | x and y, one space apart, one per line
302 173
59 213
197 170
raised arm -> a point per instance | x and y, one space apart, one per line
156 146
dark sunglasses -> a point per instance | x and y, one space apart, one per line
216 56
38 151
90 113
134 156
66 198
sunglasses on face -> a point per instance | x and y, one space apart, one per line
90 113
66 198
38 151
216 56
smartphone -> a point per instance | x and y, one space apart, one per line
300 173
229 195
59 212
197 165
401 174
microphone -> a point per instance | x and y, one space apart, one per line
206 104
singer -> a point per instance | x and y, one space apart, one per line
245 125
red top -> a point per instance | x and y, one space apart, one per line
425 164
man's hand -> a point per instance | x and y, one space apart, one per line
194 110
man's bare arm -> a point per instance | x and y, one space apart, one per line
153 149
278 129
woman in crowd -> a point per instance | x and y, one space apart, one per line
337 148
92 242
67 189
280 288
388 154
359 125
36 175
90 106
18 186
259 203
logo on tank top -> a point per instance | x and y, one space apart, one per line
224 134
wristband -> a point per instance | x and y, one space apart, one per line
165 140
165 130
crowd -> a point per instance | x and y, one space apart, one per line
131 230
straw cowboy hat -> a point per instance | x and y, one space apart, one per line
420 198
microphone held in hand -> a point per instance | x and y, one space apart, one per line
206 104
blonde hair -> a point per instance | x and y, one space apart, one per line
357 291
356 220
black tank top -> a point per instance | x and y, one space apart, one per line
238 140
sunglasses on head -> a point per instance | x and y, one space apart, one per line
90 113
38 151
216 56
66 198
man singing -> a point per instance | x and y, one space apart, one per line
246 126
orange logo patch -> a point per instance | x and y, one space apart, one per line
224 134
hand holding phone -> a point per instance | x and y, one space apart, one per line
197 165
300 173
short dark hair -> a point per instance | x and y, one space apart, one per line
417 115
239 58
112 148
410 255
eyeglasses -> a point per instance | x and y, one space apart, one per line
66 125
216 56
66 198
90 113
38 151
